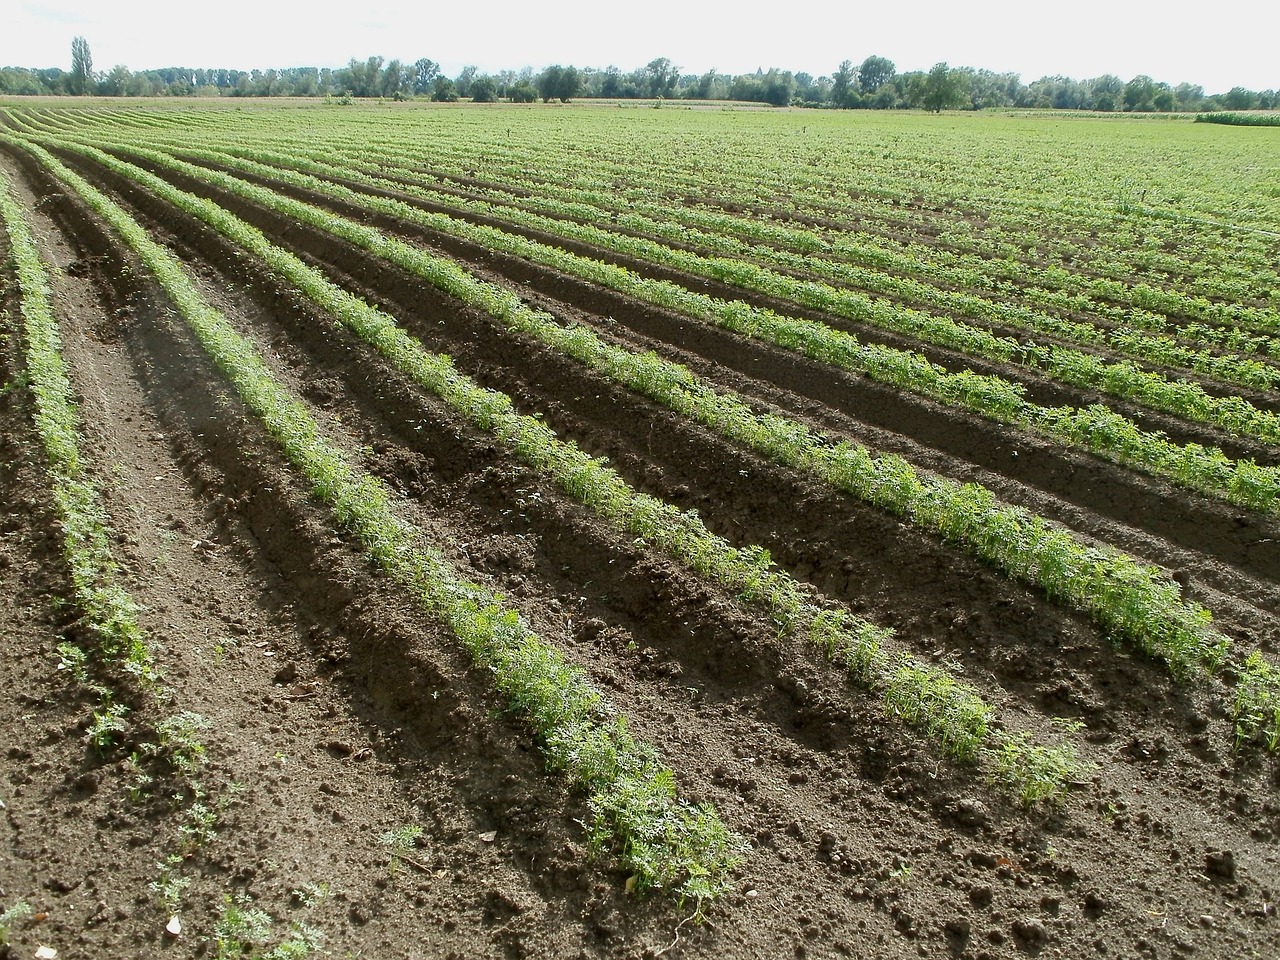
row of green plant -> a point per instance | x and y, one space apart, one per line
1096 428
1025 245
558 160
1169 596
1122 379
110 613
1005 210
1240 119
1132 601
120 665
1257 703
950 712
1122 595
631 794
846 259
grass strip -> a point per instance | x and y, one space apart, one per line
636 812
1133 602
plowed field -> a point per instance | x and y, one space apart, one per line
363 788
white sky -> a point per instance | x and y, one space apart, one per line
1221 45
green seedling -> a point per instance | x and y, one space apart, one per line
107 726
400 842
19 911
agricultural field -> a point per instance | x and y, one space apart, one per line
444 531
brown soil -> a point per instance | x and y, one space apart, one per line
339 712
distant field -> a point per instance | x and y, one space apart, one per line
862 528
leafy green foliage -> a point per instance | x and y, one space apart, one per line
847 639
1257 703
19 911
568 715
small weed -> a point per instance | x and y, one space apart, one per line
178 742
170 885
19 911
73 661
108 724
401 841
200 828
241 927
309 894
244 927
139 783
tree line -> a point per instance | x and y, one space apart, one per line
873 84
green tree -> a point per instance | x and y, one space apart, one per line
842 84
874 73
483 89
1105 92
1188 95
443 90
1140 94
660 77
424 75
522 92
396 80
943 88
80 80
115 82
463 83
559 83
1239 98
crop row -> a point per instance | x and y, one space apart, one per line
1128 599
110 613
1096 428
1120 379
632 794
951 713
916 272
1129 231
1125 597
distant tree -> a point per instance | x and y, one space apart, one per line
660 77
842 85
396 81
463 82
522 92
1105 92
874 73
1238 98
361 79
483 89
424 75
559 83
80 80
115 82
443 90
779 86
987 89
943 88
611 82
1188 96
1139 94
